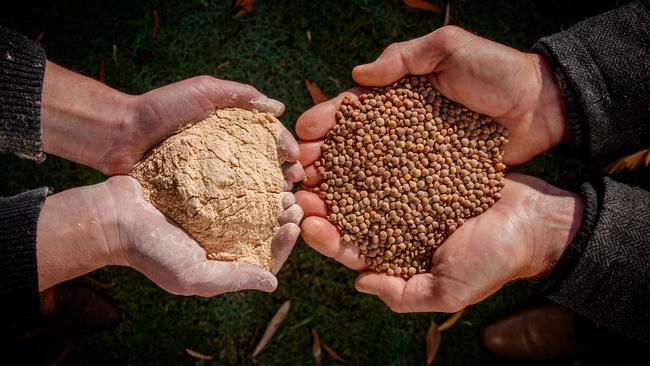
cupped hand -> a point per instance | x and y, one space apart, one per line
87 122
521 236
517 89
160 112
145 239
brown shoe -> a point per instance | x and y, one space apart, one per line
68 310
74 308
546 332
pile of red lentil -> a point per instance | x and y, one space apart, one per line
403 168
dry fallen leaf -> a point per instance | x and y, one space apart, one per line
62 355
432 342
317 96
155 22
629 162
422 5
315 347
332 353
255 333
243 7
308 33
451 321
198 355
40 36
273 326
447 13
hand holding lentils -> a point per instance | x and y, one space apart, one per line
403 168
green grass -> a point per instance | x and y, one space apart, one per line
268 49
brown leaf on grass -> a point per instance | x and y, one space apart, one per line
317 96
155 21
423 5
62 355
102 72
198 355
315 347
447 13
432 342
273 326
451 321
243 7
629 162
332 353
254 337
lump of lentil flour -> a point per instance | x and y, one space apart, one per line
221 180
403 168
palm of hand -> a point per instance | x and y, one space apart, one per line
476 260
482 255
154 245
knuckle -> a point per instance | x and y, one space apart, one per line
394 47
205 79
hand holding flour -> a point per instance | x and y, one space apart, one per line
86 228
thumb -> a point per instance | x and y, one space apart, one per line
212 278
419 56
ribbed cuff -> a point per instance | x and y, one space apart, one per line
19 298
22 65
578 134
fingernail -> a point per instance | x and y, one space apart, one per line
268 285
288 199
266 104
287 186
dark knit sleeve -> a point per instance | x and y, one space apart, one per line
18 273
604 273
603 67
22 64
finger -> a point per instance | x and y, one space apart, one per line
418 56
288 199
311 177
288 148
311 204
310 151
211 278
418 294
317 121
224 93
282 244
323 237
293 172
287 186
291 215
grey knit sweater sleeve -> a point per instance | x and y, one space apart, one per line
22 64
603 67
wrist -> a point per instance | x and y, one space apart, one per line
550 113
74 235
559 215
80 117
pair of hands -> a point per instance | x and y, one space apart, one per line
521 236
82 229
524 233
